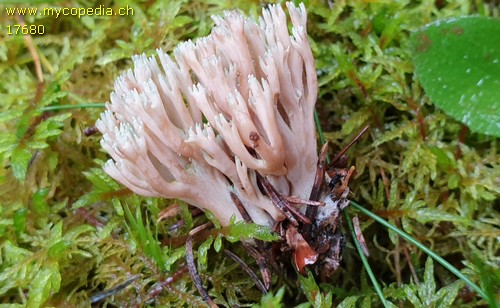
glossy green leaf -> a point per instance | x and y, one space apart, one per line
458 63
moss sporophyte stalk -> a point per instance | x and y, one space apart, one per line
227 125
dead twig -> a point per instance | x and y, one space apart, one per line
193 271
281 203
165 283
359 236
265 272
31 47
297 200
112 291
241 208
247 269
358 136
316 190
168 212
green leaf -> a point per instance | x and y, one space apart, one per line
313 293
355 121
174 256
74 233
40 205
102 184
19 162
428 214
101 181
453 181
58 248
11 306
428 286
113 55
443 159
241 229
218 243
20 220
213 219
203 252
46 282
181 21
23 124
13 254
348 302
271 300
449 293
458 64
50 127
55 233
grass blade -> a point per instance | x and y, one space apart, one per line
425 249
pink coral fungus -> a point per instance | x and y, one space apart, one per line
225 124
256 87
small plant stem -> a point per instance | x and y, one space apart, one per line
112 291
32 49
244 266
353 141
404 247
422 247
364 260
194 272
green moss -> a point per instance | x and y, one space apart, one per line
67 231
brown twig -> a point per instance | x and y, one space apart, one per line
397 262
247 269
31 47
193 272
359 236
168 212
241 208
340 190
408 257
281 203
319 179
112 291
410 264
385 180
316 190
261 262
297 200
358 136
165 283
420 118
89 217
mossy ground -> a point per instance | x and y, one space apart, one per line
68 232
